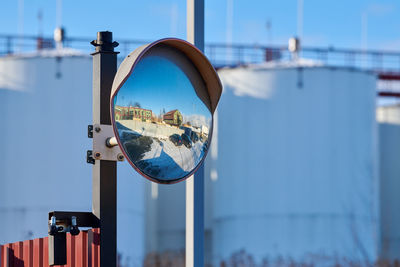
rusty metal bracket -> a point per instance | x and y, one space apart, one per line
101 151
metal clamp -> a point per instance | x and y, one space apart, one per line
61 223
90 131
53 228
89 157
63 226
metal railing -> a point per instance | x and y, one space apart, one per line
227 55
385 63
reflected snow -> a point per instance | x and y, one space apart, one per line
156 155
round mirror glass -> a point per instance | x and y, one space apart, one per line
162 117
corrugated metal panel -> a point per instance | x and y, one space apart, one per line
83 250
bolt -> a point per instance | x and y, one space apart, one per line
97 129
120 157
73 220
97 155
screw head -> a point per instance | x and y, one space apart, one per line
97 129
97 155
120 157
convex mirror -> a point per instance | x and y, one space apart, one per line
162 103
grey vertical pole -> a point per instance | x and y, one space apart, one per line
195 23
104 201
195 185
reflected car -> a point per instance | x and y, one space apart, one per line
176 139
186 140
205 146
195 137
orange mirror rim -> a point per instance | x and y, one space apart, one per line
204 67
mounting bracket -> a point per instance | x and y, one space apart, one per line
101 151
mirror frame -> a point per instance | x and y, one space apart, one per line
200 62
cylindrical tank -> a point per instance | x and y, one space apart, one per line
295 166
166 221
46 105
389 152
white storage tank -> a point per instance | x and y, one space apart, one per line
389 145
46 105
166 221
295 164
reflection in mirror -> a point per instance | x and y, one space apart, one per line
162 115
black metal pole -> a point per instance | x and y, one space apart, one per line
104 200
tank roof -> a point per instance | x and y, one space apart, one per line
292 64
49 53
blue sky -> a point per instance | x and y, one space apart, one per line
326 23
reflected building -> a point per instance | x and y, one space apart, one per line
173 117
130 113
204 130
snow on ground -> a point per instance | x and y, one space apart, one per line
165 160
173 161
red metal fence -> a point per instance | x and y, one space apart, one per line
83 250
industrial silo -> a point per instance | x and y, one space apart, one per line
295 168
388 118
166 221
46 105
